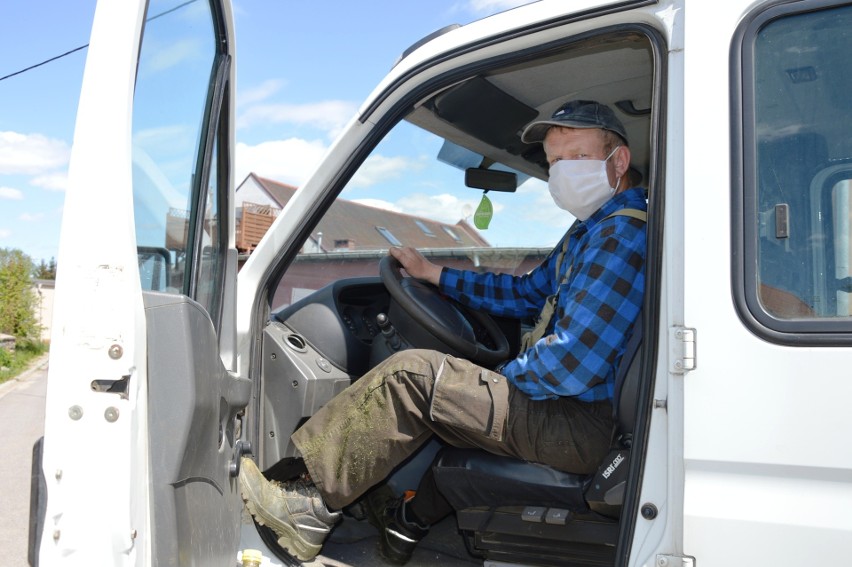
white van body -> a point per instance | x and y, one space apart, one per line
160 377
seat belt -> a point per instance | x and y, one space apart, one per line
533 336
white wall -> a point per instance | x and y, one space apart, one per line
44 291
251 192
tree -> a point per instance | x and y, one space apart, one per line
17 299
46 270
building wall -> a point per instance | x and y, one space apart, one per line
251 192
44 291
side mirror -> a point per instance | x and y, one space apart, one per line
490 179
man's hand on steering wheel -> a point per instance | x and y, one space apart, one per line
450 323
416 265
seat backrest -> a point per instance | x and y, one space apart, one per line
627 377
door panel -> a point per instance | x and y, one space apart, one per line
193 402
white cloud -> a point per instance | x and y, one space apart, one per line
170 55
329 116
31 217
11 193
484 8
380 169
289 161
444 207
379 204
493 6
534 186
5 233
31 153
170 139
52 181
261 92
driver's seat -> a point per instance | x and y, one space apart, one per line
516 510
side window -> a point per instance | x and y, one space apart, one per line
180 221
797 77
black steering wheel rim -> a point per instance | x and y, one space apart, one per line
391 274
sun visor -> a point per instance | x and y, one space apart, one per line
484 111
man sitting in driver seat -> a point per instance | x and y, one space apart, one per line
552 404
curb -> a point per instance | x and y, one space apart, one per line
34 366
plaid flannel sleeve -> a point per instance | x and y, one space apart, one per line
503 295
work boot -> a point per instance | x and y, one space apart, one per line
293 510
397 536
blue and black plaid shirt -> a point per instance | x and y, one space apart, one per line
595 310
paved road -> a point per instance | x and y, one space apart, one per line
22 414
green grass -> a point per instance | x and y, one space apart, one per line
13 363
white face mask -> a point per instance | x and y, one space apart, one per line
581 186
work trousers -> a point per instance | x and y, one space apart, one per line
361 435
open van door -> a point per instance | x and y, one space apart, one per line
140 451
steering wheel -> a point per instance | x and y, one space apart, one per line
443 317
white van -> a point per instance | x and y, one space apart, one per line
167 365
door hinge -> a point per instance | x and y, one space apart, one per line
682 341
675 561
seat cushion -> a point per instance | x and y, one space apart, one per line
473 478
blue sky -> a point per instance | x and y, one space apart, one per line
303 69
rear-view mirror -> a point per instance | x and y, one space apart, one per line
490 179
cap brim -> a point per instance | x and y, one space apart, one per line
536 131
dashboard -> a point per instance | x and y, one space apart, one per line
339 321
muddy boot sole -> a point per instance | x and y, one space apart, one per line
288 538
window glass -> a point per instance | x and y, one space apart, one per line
840 199
803 116
173 82
426 230
389 236
213 244
422 203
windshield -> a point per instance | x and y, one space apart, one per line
407 194
454 179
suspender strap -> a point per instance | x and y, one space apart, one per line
564 250
632 213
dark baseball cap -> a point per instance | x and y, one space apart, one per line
576 114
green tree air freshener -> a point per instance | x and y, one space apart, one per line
483 214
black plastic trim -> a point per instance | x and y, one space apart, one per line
426 39
38 503
799 332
